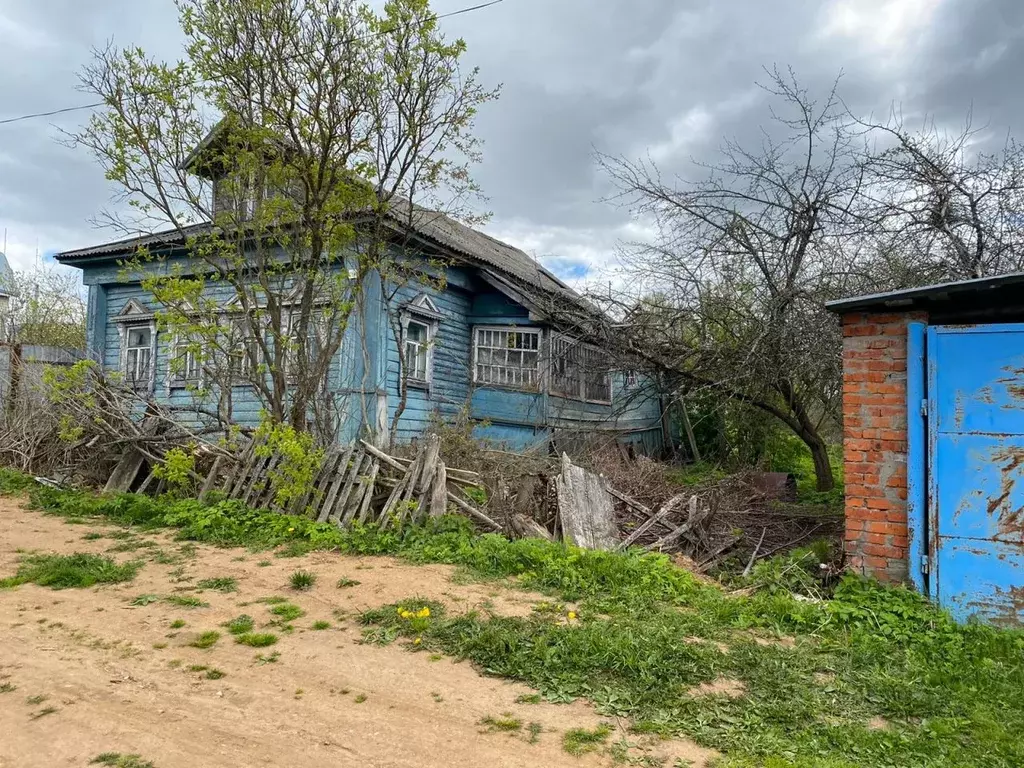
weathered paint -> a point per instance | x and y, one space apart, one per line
976 463
364 380
917 489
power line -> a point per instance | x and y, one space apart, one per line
64 110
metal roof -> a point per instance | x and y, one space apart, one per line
440 229
977 289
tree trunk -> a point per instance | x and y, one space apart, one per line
822 462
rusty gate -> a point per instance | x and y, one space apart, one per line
974 409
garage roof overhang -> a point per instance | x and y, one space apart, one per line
964 300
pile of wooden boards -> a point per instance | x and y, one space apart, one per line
359 483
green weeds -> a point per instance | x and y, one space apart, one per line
70 571
206 640
256 639
286 612
117 760
220 584
241 625
302 580
579 741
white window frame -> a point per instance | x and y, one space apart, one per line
125 331
424 350
421 311
178 379
585 350
530 330
242 347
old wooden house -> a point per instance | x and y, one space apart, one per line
486 344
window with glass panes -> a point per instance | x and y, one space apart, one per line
580 371
138 353
417 350
508 357
186 366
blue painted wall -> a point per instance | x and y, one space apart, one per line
365 379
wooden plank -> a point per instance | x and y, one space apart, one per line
629 501
338 480
472 511
378 453
344 511
585 508
691 521
438 504
211 478
386 512
661 514
254 478
364 507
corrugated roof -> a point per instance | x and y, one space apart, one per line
440 229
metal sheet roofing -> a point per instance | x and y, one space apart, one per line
910 298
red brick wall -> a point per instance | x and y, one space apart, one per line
875 442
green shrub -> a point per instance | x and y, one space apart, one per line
12 482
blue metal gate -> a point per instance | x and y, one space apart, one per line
975 408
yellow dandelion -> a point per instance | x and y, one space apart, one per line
417 641
572 615
290 530
423 613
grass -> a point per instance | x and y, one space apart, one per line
287 612
240 624
320 625
534 729
142 600
186 601
70 571
7 687
215 674
270 658
647 633
344 582
302 580
206 640
579 741
117 760
506 723
178 624
220 584
256 639
360 698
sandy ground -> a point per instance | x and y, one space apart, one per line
93 674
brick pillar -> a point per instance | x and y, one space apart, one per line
875 442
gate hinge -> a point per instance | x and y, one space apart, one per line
924 407
925 564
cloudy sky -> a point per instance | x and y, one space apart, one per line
671 78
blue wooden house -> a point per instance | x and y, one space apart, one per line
487 344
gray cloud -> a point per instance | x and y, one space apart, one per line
667 77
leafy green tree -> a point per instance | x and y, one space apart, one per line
324 129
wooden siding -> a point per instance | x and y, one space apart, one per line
364 378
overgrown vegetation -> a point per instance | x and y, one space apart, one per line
70 571
646 635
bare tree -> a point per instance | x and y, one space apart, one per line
321 124
728 295
944 208
43 306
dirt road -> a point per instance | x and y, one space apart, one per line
85 672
